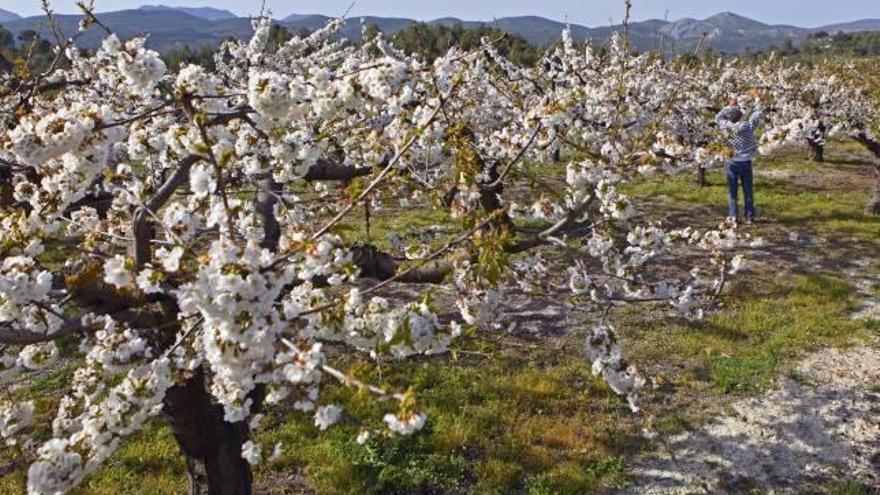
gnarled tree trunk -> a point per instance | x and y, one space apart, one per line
491 189
700 177
816 143
815 151
211 445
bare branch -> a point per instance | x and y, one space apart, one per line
140 227
17 336
328 171
562 224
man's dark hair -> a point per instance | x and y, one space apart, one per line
735 115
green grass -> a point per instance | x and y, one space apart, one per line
398 221
504 425
826 211
535 421
850 488
149 463
812 313
520 420
742 348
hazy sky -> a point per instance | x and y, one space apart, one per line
807 13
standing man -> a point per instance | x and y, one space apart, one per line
741 138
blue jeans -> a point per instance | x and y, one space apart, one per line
740 172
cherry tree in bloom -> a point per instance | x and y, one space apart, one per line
201 212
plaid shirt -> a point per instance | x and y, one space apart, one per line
741 134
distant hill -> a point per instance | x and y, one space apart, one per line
171 27
6 15
727 32
297 17
537 30
207 13
852 27
168 28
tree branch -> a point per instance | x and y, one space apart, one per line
265 203
16 336
540 239
328 171
140 227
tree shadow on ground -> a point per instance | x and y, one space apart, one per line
788 440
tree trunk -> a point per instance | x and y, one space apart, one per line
491 189
265 203
872 145
815 151
873 206
6 189
700 177
816 143
211 445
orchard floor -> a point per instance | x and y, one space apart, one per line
777 392
816 429
821 422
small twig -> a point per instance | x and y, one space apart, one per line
196 326
517 158
351 381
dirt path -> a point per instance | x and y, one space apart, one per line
820 424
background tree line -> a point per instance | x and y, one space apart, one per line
27 51
824 44
430 42
427 41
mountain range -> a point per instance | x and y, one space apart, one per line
171 27
206 13
6 16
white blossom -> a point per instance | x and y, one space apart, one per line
405 424
251 452
326 416
116 273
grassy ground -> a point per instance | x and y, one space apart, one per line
824 198
522 414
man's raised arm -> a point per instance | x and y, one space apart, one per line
755 118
